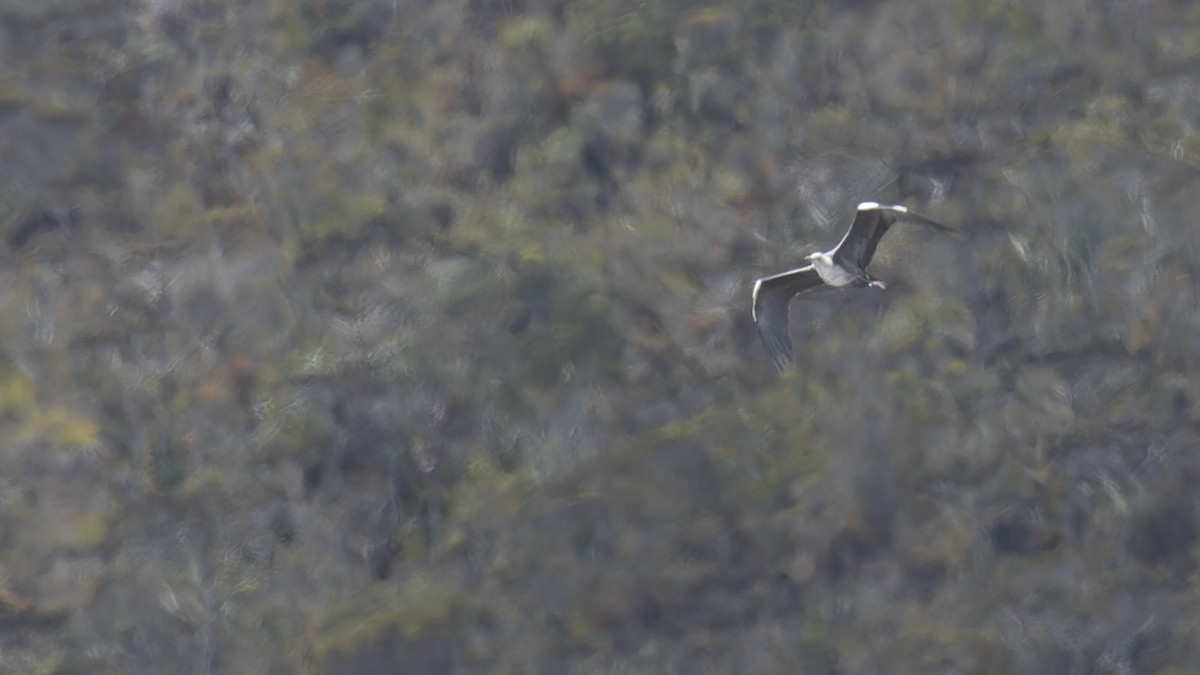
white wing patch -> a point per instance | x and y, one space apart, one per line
871 206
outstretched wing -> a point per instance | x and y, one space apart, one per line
772 295
870 224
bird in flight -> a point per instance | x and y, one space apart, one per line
845 264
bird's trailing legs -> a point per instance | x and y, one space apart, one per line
867 280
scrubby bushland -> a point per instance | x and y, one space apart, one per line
414 337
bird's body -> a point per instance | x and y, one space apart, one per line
843 265
831 272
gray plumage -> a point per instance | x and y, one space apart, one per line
845 264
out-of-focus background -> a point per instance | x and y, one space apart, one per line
405 336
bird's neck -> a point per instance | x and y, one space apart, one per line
830 273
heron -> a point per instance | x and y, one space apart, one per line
843 265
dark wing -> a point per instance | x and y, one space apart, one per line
772 295
870 224
871 221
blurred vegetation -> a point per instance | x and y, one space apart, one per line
377 337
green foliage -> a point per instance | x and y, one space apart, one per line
357 336
16 394
634 40
423 606
168 463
